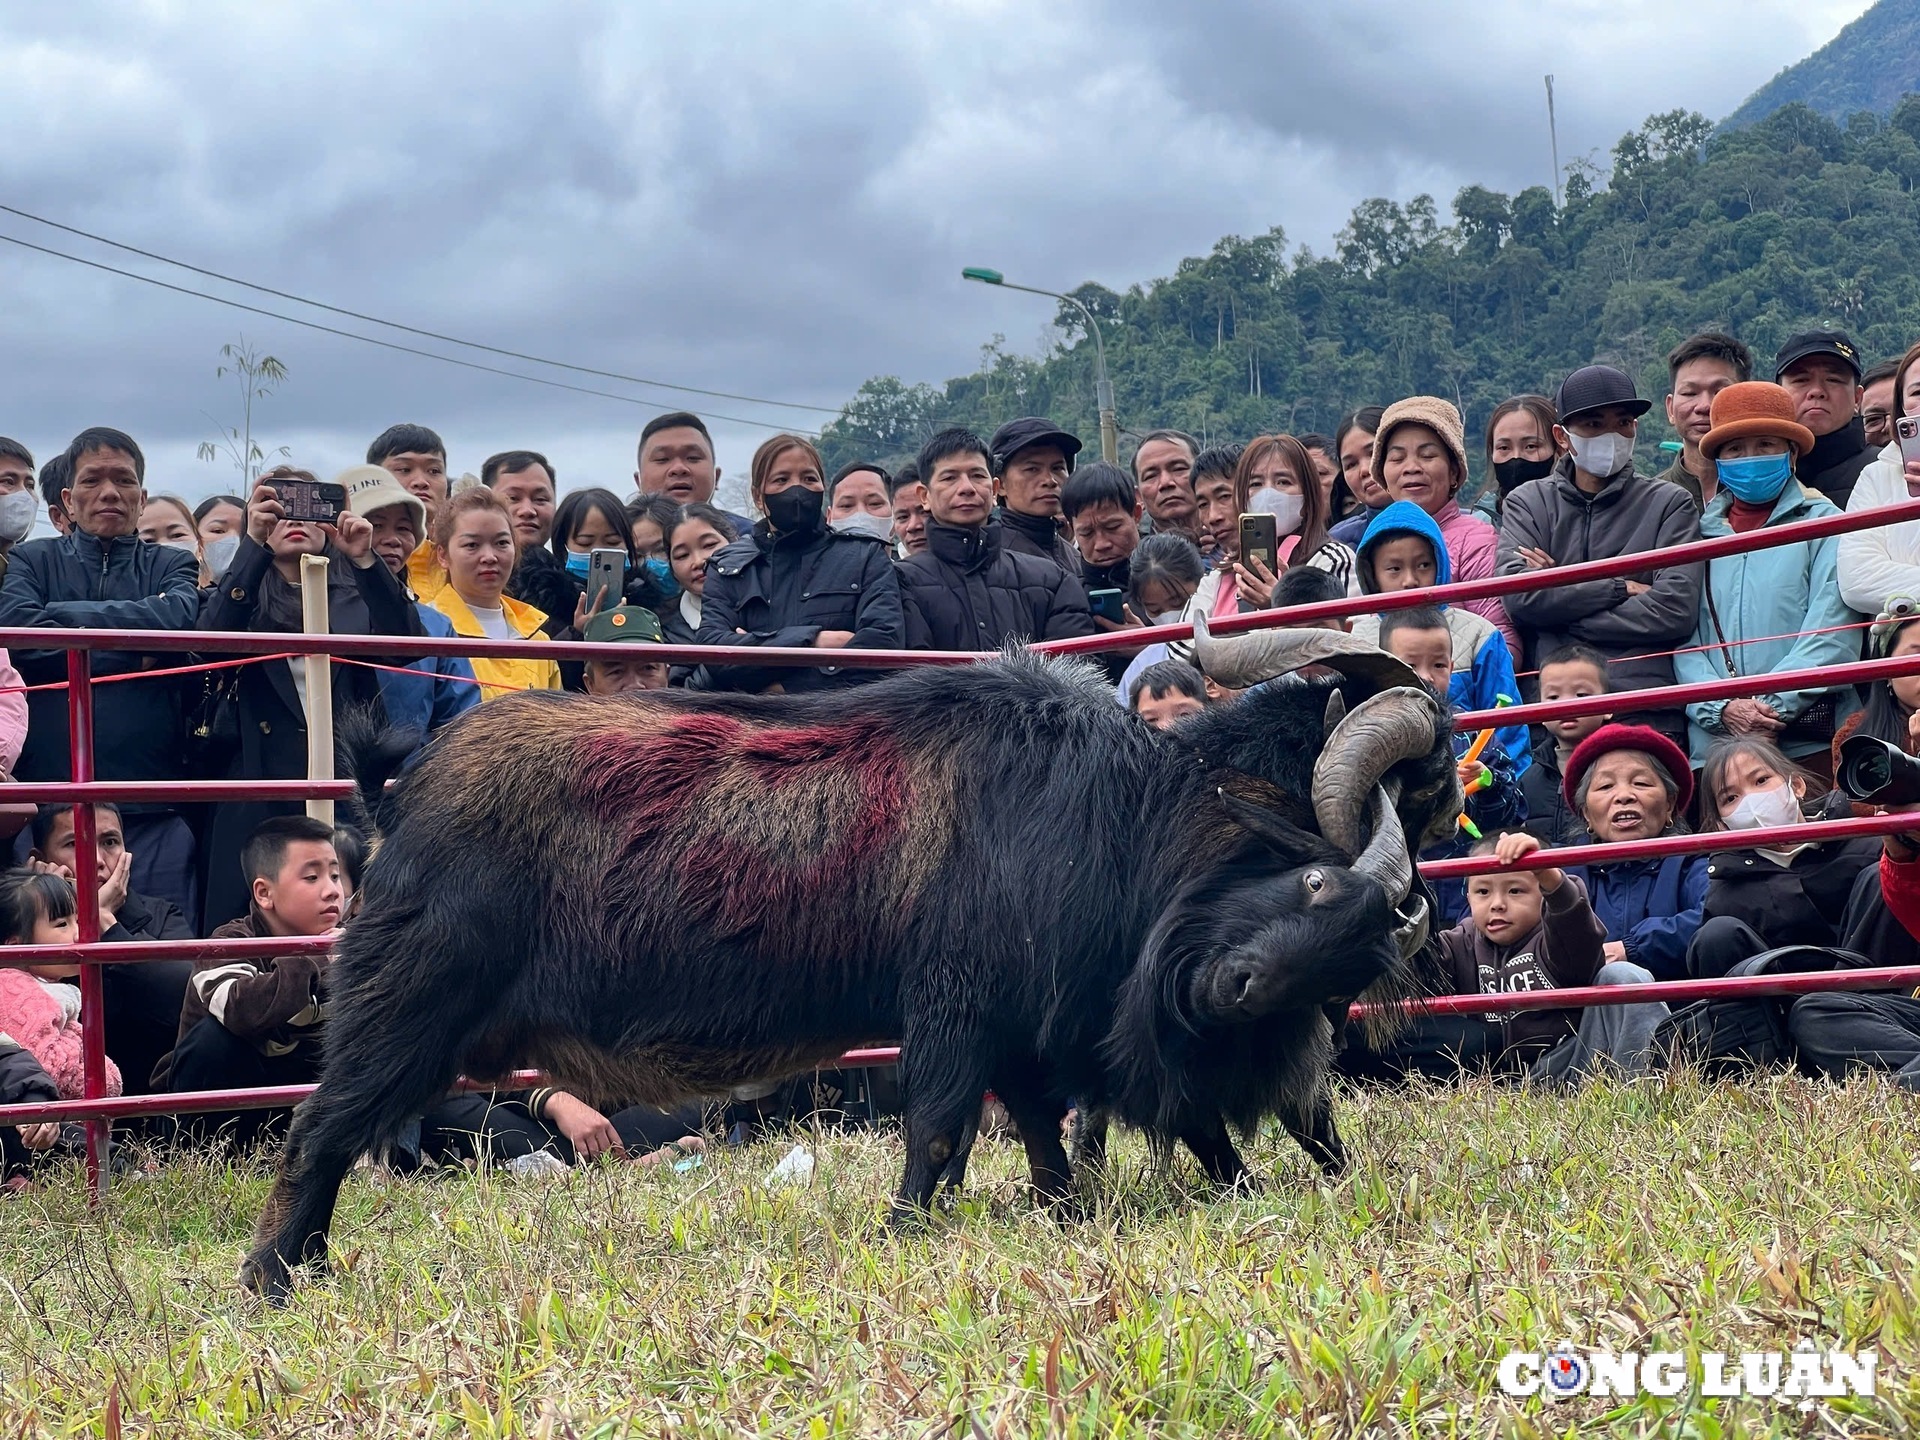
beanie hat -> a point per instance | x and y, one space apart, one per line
1431 411
1895 615
1650 742
1754 407
370 488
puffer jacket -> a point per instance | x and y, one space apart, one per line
1803 902
1784 591
1632 514
783 590
1878 564
79 582
1038 535
967 591
32 1016
1474 546
1834 464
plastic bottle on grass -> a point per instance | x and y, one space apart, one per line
795 1168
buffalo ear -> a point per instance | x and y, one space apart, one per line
1295 846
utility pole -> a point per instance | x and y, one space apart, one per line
1102 386
1553 134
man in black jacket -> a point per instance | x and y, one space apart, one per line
968 590
1032 459
101 575
1820 369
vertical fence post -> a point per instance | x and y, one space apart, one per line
86 887
319 671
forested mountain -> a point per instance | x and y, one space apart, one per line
1867 66
1791 222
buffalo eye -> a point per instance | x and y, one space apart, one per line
1315 881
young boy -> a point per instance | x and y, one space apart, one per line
248 1023
1534 930
1402 550
1423 639
1572 671
1163 693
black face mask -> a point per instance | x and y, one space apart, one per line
1510 474
795 510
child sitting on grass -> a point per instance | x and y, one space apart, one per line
1571 672
1534 930
40 1012
1421 638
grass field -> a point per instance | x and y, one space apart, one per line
1672 1216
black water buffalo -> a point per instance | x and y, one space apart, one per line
657 896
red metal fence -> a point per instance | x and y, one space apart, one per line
96 1110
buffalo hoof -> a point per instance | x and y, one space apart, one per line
265 1275
906 1218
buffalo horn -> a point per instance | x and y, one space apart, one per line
1376 735
1385 859
1237 661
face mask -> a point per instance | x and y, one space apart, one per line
1169 617
877 527
795 510
1509 475
579 563
1757 479
17 514
661 574
1285 507
1773 806
219 553
1604 456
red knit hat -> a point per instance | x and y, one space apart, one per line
1650 742
1754 407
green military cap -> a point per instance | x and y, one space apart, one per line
623 622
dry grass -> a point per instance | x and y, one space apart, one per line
1672 1216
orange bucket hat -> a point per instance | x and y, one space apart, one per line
1754 407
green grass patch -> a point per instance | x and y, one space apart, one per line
1669 1216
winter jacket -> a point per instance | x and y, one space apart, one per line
1550 820
1473 545
1678 474
1799 903
1782 591
13 715
1106 577
1632 514
277 1002
783 590
1493 808
1900 889
79 582
35 1019
1482 666
23 1080
1037 535
1878 564
541 581
435 690
967 591
1353 527
147 917
1834 463
1653 907
1562 951
499 676
425 577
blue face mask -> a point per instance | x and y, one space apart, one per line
661 573
1756 479
578 562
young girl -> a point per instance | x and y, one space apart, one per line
41 1015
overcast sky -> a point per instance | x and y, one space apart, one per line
770 200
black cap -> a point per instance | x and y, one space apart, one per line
1817 342
1595 387
1017 435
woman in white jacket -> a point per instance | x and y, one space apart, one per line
1877 565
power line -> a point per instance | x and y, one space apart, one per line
410 329
368 339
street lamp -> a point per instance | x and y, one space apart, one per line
1102 386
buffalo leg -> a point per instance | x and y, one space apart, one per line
1315 1134
1039 1121
1213 1148
1089 1140
943 1078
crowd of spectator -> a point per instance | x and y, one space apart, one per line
981 542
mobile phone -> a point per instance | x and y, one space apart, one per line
310 500
606 573
1107 605
1260 538
1907 430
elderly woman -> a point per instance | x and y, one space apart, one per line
1629 782
794 582
1772 610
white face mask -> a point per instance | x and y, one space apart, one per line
1776 805
1285 507
18 511
1602 456
877 527
1169 617
219 553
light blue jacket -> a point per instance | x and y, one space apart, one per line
440 687
1785 591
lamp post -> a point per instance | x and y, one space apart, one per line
1102 386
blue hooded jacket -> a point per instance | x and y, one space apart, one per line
1482 665
437 688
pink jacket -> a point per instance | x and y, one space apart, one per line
13 714
1472 546
34 1020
